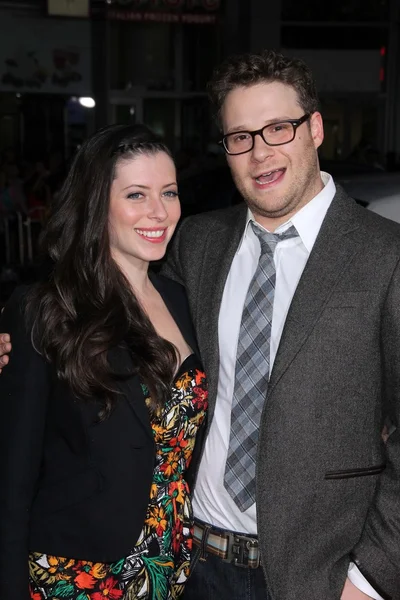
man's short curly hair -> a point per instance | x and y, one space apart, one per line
267 66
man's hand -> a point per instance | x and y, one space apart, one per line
351 592
5 348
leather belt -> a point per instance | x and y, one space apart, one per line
238 549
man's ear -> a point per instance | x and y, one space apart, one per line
317 129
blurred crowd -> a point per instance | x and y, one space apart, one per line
27 189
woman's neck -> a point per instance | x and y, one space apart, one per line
137 273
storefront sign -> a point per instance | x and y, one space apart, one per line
166 11
168 4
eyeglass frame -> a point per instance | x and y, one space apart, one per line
294 122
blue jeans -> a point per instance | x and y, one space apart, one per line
213 579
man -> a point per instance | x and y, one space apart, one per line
296 301
326 510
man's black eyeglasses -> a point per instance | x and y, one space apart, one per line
275 134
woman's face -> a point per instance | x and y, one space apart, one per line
144 209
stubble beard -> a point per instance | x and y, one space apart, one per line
271 205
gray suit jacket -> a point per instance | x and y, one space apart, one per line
328 488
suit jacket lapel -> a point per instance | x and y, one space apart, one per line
136 399
334 248
181 318
219 251
121 360
130 387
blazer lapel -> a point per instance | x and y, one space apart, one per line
219 251
181 318
130 387
334 248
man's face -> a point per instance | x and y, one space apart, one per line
275 181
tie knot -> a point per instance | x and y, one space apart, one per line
269 240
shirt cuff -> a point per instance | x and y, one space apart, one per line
357 579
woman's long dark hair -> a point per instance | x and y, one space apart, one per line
87 306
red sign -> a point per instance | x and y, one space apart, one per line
162 17
166 5
166 11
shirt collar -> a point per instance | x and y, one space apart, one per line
309 219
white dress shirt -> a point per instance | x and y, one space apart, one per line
211 502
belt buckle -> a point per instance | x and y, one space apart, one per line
239 548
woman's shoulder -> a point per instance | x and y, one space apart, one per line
21 309
14 318
17 300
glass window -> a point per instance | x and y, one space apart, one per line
201 52
338 38
125 113
159 115
195 124
340 10
142 54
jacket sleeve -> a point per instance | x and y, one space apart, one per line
377 555
172 267
24 391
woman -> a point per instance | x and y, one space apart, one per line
105 394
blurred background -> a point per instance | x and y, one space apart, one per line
68 67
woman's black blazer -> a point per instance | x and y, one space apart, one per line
71 486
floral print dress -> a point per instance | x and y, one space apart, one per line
158 565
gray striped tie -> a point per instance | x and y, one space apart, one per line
252 372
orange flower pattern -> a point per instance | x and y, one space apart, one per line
159 564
